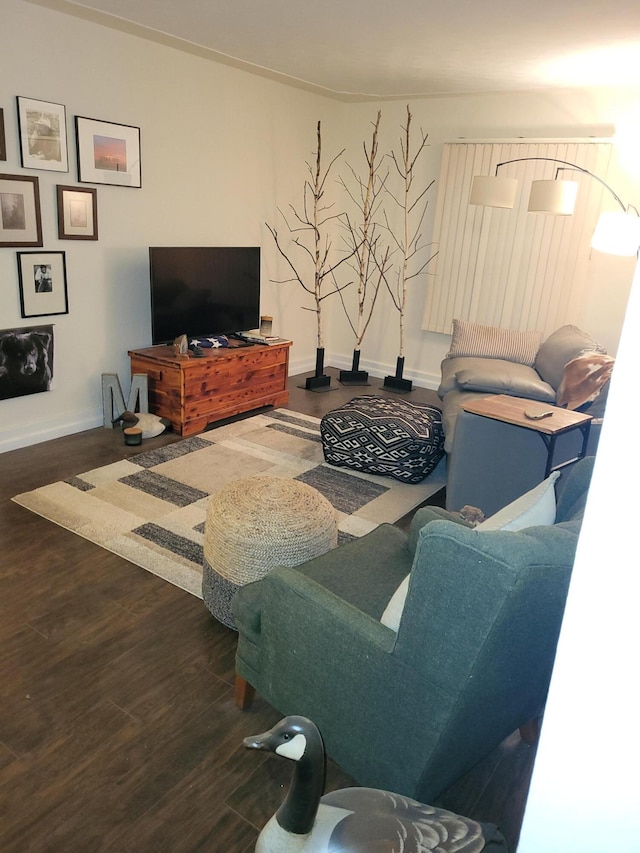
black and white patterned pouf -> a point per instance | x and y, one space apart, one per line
381 436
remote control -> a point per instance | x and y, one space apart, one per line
536 414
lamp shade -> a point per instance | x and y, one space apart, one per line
617 234
558 197
493 191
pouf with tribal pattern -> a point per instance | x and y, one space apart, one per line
377 435
258 523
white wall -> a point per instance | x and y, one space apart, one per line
584 793
221 151
220 148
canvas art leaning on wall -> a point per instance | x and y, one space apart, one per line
26 361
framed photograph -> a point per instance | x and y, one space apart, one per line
77 213
43 135
20 221
3 140
27 355
43 283
108 153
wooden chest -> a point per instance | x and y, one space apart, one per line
193 392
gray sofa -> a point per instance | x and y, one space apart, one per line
476 366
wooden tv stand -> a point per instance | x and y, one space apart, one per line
194 392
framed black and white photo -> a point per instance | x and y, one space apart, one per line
20 221
27 361
3 140
43 135
108 153
77 213
43 283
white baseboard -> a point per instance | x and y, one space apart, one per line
36 433
45 431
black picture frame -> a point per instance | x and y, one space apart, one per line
20 219
108 153
43 283
77 213
3 139
43 135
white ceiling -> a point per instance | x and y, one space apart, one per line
356 49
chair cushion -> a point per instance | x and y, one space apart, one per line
380 436
518 380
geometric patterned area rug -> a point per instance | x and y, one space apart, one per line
151 508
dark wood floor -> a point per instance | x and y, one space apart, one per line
118 730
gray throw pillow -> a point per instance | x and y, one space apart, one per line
475 340
565 344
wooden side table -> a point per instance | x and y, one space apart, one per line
511 410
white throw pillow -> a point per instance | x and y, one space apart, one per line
393 611
533 509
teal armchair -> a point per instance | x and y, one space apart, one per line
471 660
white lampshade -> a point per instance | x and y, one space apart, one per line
617 234
493 191
558 197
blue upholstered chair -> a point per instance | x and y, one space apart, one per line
411 710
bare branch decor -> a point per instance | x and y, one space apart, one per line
312 248
371 257
409 242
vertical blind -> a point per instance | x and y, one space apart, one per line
508 267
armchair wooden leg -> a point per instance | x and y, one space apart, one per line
530 732
244 693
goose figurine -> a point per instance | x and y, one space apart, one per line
355 820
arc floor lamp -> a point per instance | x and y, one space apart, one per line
616 233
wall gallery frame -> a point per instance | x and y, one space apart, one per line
3 141
20 220
77 213
43 135
108 153
43 283
28 361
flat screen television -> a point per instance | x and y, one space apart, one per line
203 291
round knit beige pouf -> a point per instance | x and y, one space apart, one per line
255 524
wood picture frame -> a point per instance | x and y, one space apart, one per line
108 153
43 135
20 219
3 138
77 213
43 283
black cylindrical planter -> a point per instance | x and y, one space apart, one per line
354 376
397 383
319 381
